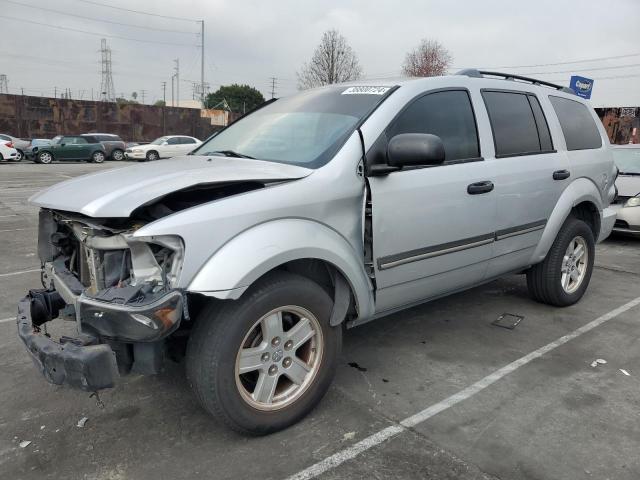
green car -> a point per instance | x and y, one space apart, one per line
72 147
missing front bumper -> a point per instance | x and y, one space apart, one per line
76 362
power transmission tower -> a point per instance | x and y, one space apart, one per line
177 75
4 84
106 85
142 94
274 82
202 64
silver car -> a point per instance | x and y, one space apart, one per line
330 208
627 204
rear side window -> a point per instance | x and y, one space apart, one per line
518 124
186 140
579 129
174 141
447 114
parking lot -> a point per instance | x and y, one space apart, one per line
522 403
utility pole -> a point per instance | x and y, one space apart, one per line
202 63
177 75
55 92
274 80
142 94
164 92
4 84
173 104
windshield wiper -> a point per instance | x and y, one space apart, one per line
228 153
629 173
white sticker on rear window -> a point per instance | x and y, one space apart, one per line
366 91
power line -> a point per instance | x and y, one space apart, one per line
97 34
585 69
136 11
96 19
570 62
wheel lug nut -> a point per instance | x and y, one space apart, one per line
265 356
288 344
273 369
275 341
286 362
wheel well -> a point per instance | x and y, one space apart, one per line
588 212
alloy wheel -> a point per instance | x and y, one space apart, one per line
574 264
279 358
45 157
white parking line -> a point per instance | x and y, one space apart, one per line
9 274
409 422
5 320
17 229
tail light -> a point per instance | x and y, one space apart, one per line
9 144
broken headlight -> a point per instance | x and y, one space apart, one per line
156 259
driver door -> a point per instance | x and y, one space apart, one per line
433 226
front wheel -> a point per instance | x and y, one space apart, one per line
563 277
152 155
261 363
117 155
97 157
44 157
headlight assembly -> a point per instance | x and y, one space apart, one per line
633 202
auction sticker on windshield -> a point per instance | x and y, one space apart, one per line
366 91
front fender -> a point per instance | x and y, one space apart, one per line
254 252
580 190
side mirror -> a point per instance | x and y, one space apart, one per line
415 149
165 143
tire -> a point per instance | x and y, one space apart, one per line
562 277
44 157
19 157
152 155
223 330
117 155
97 157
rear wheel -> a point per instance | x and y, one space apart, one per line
152 155
117 155
44 157
97 157
19 157
261 363
563 277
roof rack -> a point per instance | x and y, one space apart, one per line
474 73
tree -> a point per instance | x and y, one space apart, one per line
237 98
333 61
430 59
134 95
160 103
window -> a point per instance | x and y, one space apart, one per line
187 140
73 140
174 141
5 137
448 115
579 129
516 130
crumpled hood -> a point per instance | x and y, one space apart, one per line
628 186
117 192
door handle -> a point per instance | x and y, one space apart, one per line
561 174
480 187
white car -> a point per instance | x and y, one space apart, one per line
7 152
163 147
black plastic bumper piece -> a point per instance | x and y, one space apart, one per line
74 363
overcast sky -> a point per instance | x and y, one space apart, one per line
250 41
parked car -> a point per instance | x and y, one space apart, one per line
72 147
114 146
337 205
163 147
18 143
32 150
627 158
7 152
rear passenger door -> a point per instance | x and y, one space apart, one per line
186 145
529 178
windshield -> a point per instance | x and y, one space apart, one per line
56 139
627 160
159 141
305 129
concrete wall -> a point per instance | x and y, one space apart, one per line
42 117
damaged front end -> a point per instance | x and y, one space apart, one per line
120 290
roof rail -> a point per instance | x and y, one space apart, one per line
474 73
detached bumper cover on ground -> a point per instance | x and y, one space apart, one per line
87 367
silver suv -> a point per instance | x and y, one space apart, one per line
330 208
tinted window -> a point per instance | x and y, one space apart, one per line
174 141
5 137
185 140
512 121
546 144
579 129
446 114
